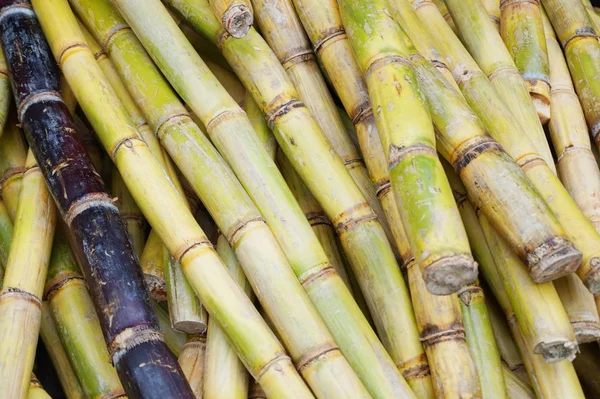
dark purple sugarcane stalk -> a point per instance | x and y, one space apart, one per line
145 365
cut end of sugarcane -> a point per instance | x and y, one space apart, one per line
553 259
586 331
557 350
449 274
592 278
539 89
542 107
238 19
191 327
156 287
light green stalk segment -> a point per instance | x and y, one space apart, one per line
483 41
224 375
6 231
5 92
406 131
13 152
503 126
174 339
515 387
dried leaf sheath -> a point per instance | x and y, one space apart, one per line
129 329
21 295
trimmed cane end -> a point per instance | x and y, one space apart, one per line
449 274
191 327
592 278
557 350
586 331
554 258
238 20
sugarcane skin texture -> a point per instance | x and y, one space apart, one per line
313 333
522 31
12 161
339 284
479 35
224 374
191 360
515 387
283 32
408 145
174 339
20 298
49 115
502 125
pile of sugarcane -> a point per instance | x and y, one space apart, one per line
231 199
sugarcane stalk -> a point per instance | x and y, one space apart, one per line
522 31
228 80
36 390
191 360
21 294
174 339
224 374
586 366
488 174
481 341
4 92
515 387
167 213
12 165
480 36
537 307
592 14
443 10
579 172
282 29
186 312
511 357
6 232
406 132
502 125
256 392
129 328
260 126
58 356
577 35
494 12
245 225
236 16
548 379
300 243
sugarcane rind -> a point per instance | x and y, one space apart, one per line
555 258
448 274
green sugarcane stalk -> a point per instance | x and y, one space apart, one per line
192 362
5 92
12 165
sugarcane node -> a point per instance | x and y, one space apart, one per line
223 117
467 293
242 227
380 62
361 112
542 106
471 149
592 278
354 216
414 368
530 161
238 20
54 285
113 33
318 218
446 275
273 363
298 58
9 173
432 334
167 121
580 33
278 111
552 259
504 70
19 294
196 245
91 200
462 78
315 354
127 142
586 331
326 35
131 337
321 272
383 188
397 154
